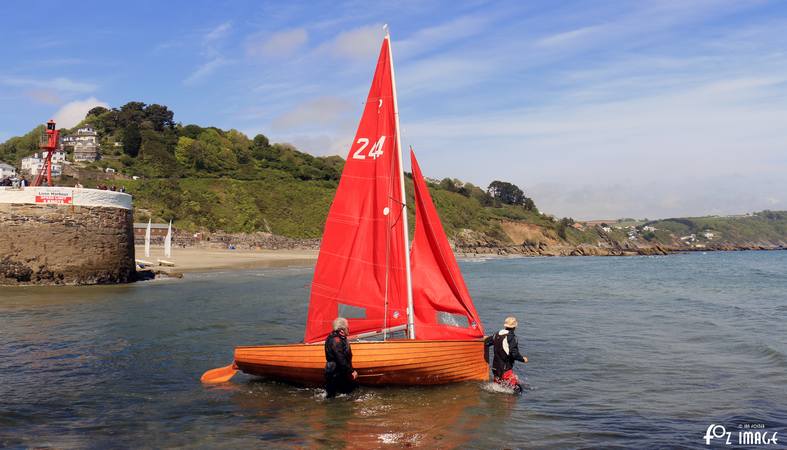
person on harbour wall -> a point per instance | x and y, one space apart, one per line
339 373
506 352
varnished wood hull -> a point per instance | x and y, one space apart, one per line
397 362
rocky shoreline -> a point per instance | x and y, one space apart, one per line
471 244
479 245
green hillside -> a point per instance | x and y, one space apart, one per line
206 178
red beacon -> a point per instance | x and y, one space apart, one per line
49 143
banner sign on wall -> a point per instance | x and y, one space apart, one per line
45 195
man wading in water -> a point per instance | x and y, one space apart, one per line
339 373
506 351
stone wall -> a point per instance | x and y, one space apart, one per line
65 244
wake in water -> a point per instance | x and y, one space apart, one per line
498 388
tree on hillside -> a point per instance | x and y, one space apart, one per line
132 140
160 117
97 111
563 226
131 113
20 146
505 192
158 153
190 131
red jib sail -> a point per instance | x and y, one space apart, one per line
360 271
443 307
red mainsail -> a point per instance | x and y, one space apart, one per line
443 307
360 272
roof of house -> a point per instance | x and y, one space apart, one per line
6 166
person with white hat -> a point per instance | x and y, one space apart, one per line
339 373
506 352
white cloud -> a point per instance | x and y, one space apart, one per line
277 45
59 84
317 112
211 52
204 70
72 113
445 33
701 149
360 43
568 37
218 32
45 96
320 144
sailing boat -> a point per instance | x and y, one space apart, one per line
168 241
415 301
167 247
147 240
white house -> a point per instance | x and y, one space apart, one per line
708 235
33 164
85 144
648 228
6 170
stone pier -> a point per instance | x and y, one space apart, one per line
65 236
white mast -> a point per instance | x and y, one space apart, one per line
405 230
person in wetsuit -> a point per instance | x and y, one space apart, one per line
506 352
339 373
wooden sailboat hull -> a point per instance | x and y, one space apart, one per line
397 362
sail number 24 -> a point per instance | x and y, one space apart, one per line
375 152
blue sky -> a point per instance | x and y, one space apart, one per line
596 109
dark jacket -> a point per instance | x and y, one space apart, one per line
338 356
506 351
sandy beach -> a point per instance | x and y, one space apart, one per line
196 259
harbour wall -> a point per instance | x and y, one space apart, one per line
65 235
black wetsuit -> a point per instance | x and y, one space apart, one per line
506 351
338 365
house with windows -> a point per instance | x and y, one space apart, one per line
32 165
7 170
84 144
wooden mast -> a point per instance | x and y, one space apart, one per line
405 230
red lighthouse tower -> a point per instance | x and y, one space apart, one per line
49 143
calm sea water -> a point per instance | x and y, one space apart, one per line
625 352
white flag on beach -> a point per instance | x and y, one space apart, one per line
147 241
168 242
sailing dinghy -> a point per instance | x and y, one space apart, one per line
415 303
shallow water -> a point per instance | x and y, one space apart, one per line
625 352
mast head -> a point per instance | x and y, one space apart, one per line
385 28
